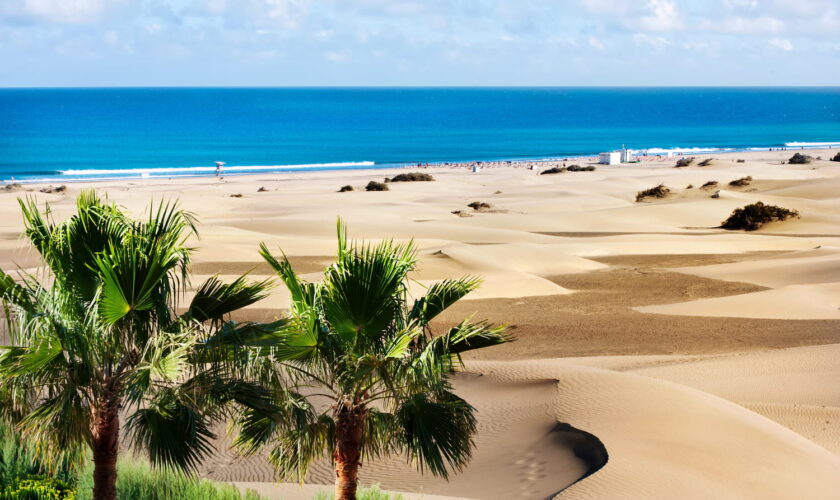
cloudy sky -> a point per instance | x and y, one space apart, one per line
419 42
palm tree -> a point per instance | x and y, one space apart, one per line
363 373
97 335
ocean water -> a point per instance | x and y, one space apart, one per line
71 134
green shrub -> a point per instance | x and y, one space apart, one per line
372 493
412 177
37 488
743 181
660 191
684 162
553 170
752 217
137 480
799 159
376 186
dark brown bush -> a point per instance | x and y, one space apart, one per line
705 163
709 184
836 157
412 177
739 160
578 168
553 170
376 186
753 216
684 162
743 181
346 188
479 205
660 191
799 159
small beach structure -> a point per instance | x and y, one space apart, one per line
626 155
610 158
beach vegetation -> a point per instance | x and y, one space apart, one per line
96 337
412 177
705 163
740 160
755 215
364 373
743 181
479 205
709 185
836 157
578 168
690 186
376 186
659 191
372 493
799 159
344 189
553 170
684 162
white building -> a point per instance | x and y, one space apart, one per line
611 158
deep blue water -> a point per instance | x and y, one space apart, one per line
44 132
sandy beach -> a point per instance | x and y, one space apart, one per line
657 355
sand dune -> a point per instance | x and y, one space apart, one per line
703 362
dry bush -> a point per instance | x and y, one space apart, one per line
684 162
376 186
799 159
346 188
705 163
709 185
479 205
553 170
660 191
836 157
412 177
578 168
743 181
755 215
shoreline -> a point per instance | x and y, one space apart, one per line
361 167
654 154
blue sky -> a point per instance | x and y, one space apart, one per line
419 42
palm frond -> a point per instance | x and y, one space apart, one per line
437 431
440 296
214 300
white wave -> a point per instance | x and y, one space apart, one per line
658 151
208 169
811 144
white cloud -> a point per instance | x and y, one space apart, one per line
663 16
657 42
781 44
596 43
738 25
65 11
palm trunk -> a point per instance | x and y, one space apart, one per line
106 439
348 450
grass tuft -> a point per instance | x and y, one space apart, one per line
376 186
660 191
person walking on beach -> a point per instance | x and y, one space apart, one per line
220 169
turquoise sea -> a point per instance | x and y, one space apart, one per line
72 134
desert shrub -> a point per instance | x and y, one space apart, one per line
660 191
684 162
743 181
740 160
376 186
690 186
262 189
799 159
836 157
553 170
54 189
709 184
479 205
755 215
578 168
344 189
412 177
705 163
